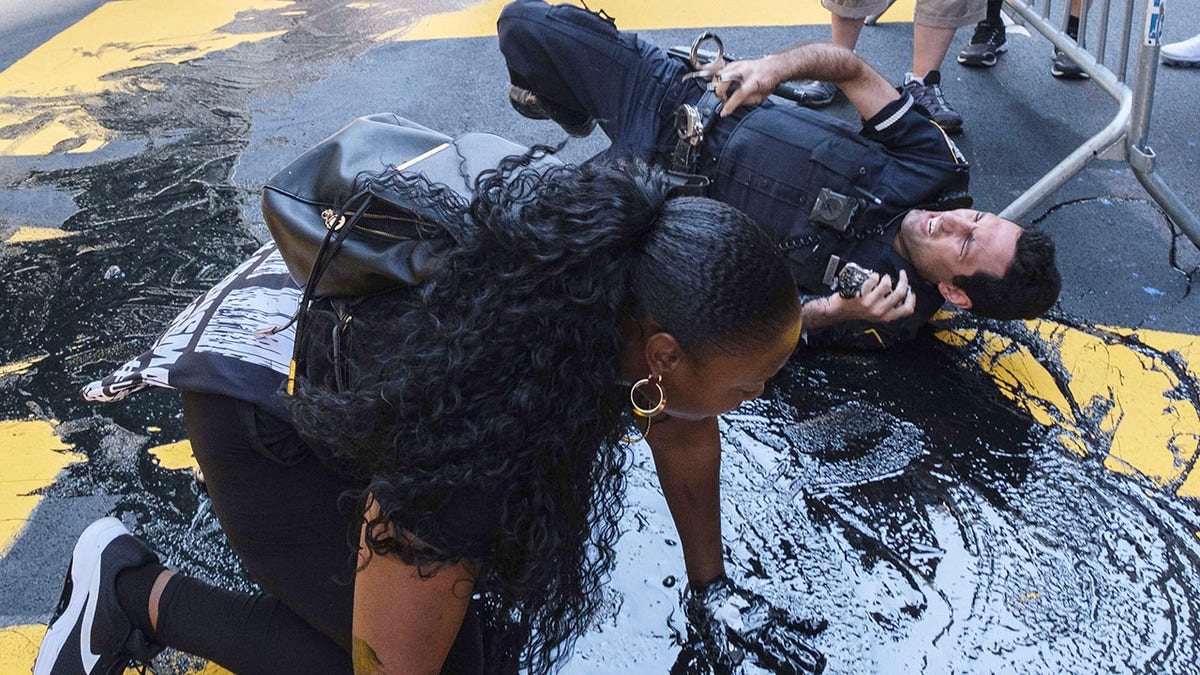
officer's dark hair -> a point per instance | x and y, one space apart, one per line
1028 288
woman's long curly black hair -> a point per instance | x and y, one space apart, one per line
487 398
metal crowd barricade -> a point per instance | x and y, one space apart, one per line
1125 138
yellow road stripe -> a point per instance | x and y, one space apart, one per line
33 456
480 20
19 367
25 235
174 456
18 647
1143 427
44 93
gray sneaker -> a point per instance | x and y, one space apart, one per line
1064 67
529 105
987 44
929 96
815 93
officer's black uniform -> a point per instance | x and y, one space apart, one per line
769 161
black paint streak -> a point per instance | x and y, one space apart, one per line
1172 252
901 497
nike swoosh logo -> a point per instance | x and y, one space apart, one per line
88 658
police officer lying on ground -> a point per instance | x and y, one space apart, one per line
891 198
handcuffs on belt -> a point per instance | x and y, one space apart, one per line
693 121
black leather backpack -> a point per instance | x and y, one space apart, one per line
344 235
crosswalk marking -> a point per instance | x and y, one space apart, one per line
33 457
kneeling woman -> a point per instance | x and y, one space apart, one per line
448 495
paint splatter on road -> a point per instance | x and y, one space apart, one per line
992 497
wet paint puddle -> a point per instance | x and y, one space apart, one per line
938 509
941 531
46 95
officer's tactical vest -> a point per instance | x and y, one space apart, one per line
779 160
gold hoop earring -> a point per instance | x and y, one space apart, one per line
648 413
662 396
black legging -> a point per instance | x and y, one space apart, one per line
278 506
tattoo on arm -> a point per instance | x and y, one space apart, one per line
365 660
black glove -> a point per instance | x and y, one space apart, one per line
732 624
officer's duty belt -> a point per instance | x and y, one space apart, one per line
692 123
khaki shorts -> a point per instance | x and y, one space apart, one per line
931 13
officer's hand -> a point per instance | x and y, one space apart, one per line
746 83
881 301
731 624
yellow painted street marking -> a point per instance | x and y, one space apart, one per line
32 458
174 456
25 235
1022 377
19 367
480 20
19 646
45 94
1143 426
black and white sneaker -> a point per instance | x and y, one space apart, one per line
89 632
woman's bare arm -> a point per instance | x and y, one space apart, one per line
687 457
403 622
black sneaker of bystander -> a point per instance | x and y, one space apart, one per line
986 45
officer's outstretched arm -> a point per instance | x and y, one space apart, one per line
750 82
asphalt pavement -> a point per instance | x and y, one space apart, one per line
991 497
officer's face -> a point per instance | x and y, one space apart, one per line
946 244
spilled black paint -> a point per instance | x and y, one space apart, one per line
158 217
939 529
900 499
